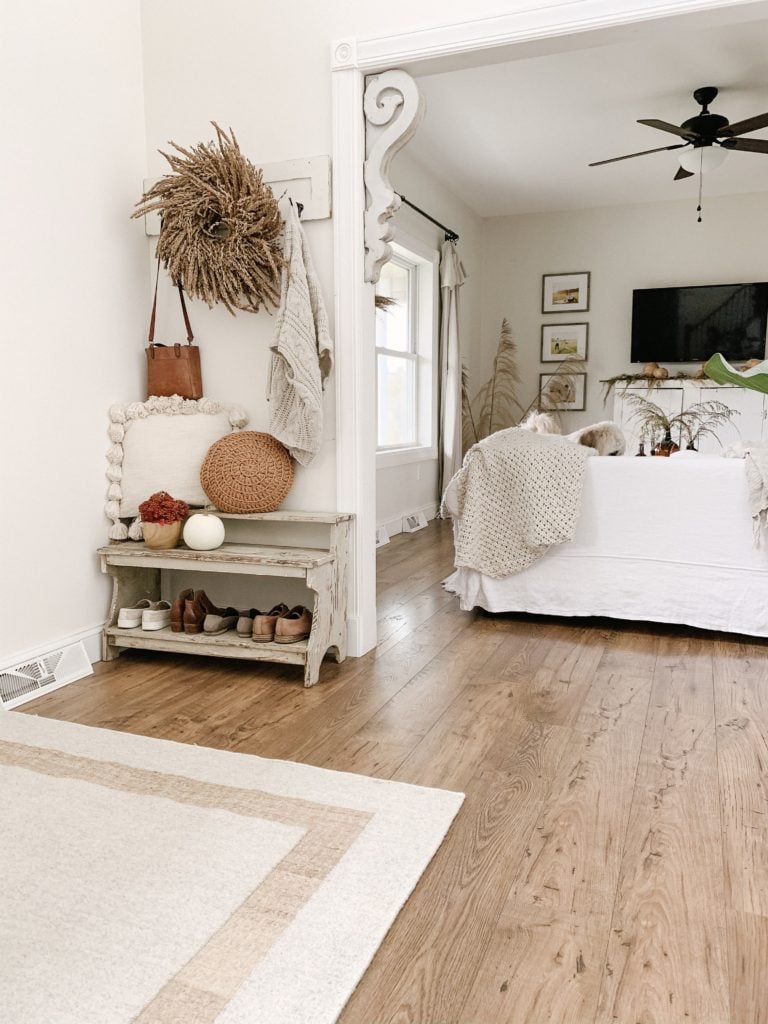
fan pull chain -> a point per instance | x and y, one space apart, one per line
701 177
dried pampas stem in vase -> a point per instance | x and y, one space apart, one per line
222 230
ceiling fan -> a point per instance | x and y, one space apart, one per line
702 134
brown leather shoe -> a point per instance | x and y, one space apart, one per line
264 624
177 610
294 626
196 609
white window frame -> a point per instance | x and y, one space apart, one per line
424 330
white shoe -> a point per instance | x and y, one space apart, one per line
145 613
157 616
130 618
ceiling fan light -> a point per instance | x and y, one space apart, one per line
702 158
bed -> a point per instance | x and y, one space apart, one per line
664 540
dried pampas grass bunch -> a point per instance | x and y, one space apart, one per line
222 229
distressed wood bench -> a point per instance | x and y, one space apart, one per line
136 573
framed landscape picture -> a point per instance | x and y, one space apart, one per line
563 341
565 392
565 293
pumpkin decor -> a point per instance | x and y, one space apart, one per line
203 532
221 234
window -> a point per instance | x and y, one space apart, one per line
405 355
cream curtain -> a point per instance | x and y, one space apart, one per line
452 277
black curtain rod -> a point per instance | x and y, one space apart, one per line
450 235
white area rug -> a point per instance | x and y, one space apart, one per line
147 882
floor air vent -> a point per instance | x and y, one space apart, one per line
36 676
414 522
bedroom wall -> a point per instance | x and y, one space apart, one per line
74 306
413 487
641 246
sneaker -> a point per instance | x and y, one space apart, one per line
157 616
130 618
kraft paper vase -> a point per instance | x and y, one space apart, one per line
162 535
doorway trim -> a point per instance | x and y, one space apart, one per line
537 29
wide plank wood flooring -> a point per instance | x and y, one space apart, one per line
610 862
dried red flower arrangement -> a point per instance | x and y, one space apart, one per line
162 508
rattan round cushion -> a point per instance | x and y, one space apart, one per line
247 472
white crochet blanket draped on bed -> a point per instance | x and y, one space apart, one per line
516 494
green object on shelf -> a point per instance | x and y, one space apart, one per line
720 371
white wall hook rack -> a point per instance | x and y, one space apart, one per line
306 181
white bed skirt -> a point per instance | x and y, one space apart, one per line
663 540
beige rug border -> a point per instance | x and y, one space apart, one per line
206 984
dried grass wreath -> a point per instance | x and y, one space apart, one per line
222 229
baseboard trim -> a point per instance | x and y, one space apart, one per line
395 526
91 637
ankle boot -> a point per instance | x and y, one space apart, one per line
177 610
196 609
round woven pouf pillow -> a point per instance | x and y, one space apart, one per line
247 472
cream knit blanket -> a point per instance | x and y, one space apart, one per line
302 355
756 466
516 494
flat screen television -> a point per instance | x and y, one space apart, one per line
688 325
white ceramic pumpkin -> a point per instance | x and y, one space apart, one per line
203 532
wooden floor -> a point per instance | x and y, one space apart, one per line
610 862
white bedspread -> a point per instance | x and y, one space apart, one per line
665 540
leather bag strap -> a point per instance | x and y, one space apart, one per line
187 324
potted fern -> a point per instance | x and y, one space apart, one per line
692 424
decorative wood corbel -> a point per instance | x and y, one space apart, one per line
394 109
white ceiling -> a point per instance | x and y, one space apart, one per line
517 137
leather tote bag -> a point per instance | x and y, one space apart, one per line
173 369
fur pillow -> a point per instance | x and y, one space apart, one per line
606 438
540 423
159 445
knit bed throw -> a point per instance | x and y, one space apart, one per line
516 495
302 355
756 465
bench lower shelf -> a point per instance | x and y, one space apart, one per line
223 645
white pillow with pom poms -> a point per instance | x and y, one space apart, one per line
159 445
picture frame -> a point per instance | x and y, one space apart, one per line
563 342
562 392
565 293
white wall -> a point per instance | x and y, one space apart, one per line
264 70
643 246
414 486
74 305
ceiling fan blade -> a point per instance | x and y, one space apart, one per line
665 126
747 145
643 152
682 173
751 124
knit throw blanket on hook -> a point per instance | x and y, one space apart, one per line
516 495
302 354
